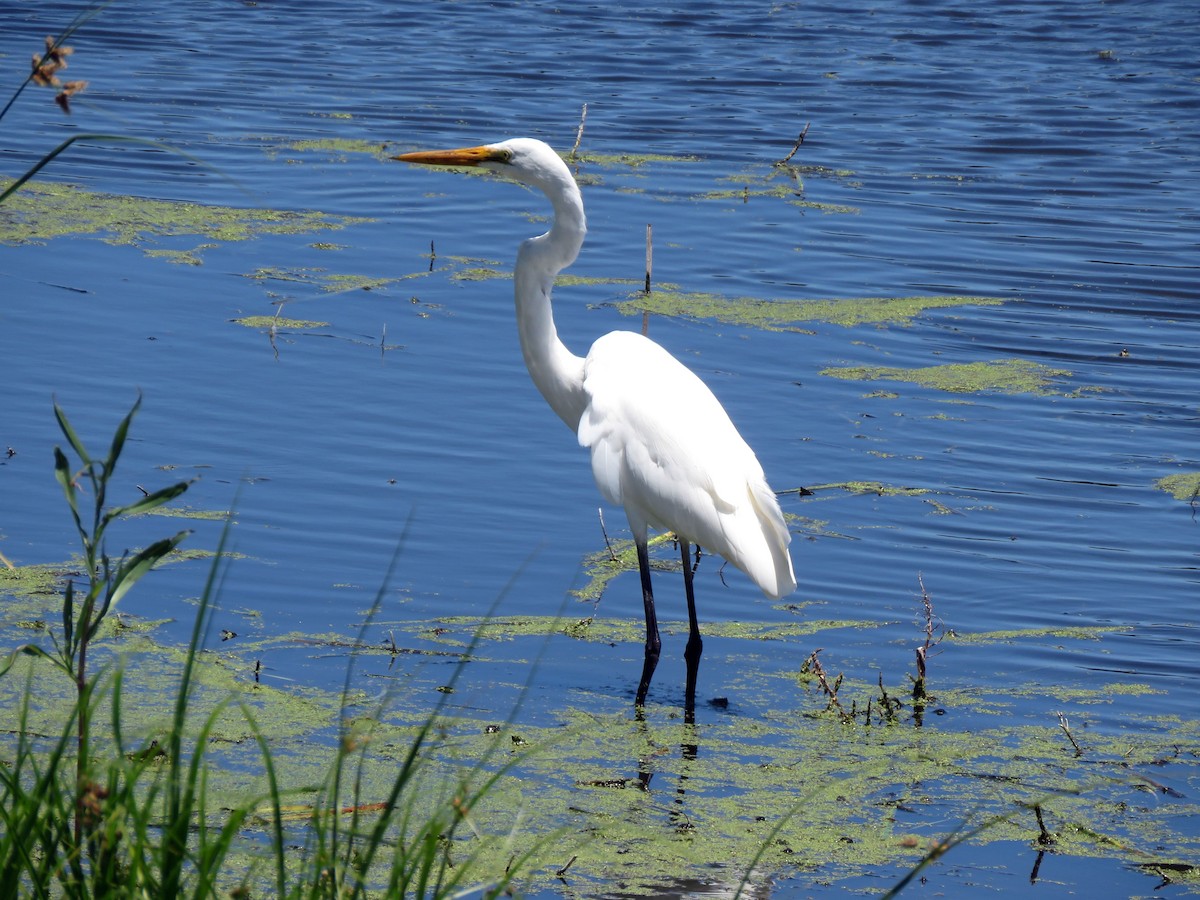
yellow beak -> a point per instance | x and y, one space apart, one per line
463 156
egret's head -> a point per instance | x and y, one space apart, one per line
526 160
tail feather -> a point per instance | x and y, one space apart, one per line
772 570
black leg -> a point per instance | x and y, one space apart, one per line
653 642
695 646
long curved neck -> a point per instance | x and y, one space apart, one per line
557 372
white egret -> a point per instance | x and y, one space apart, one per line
662 445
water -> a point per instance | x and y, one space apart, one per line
1044 154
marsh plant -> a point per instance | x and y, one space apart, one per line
91 811
65 812
47 71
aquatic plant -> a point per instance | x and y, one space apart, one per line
44 73
90 811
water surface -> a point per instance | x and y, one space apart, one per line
1044 156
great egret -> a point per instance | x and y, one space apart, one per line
662 445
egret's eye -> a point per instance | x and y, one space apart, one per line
504 156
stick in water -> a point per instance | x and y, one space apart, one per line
799 141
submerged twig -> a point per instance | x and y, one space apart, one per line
649 271
579 132
813 665
563 871
1066 727
795 147
933 637
649 254
889 703
1044 836
612 554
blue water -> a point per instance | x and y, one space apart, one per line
1045 154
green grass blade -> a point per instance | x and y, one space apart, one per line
273 797
131 570
66 478
119 436
62 148
24 650
178 802
99 138
64 425
150 501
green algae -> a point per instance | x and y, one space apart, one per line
1075 633
627 160
791 193
603 566
181 257
941 509
632 796
787 192
790 788
1006 376
592 280
1184 486
779 782
277 322
878 488
338 284
325 281
340 148
461 631
479 273
785 314
43 211
186 512
36 580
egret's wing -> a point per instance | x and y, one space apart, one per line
653 427
664 448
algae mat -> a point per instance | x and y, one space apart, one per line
775 315
590 796
41 211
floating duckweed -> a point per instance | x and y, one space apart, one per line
275 273
479 273
1184 486
278 322
328 282
627 160
1075 633
340 147
337 284
778 314
1006 376
786 790
44 210
591 280
872 487
30 581
620 556
181 257
183 512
